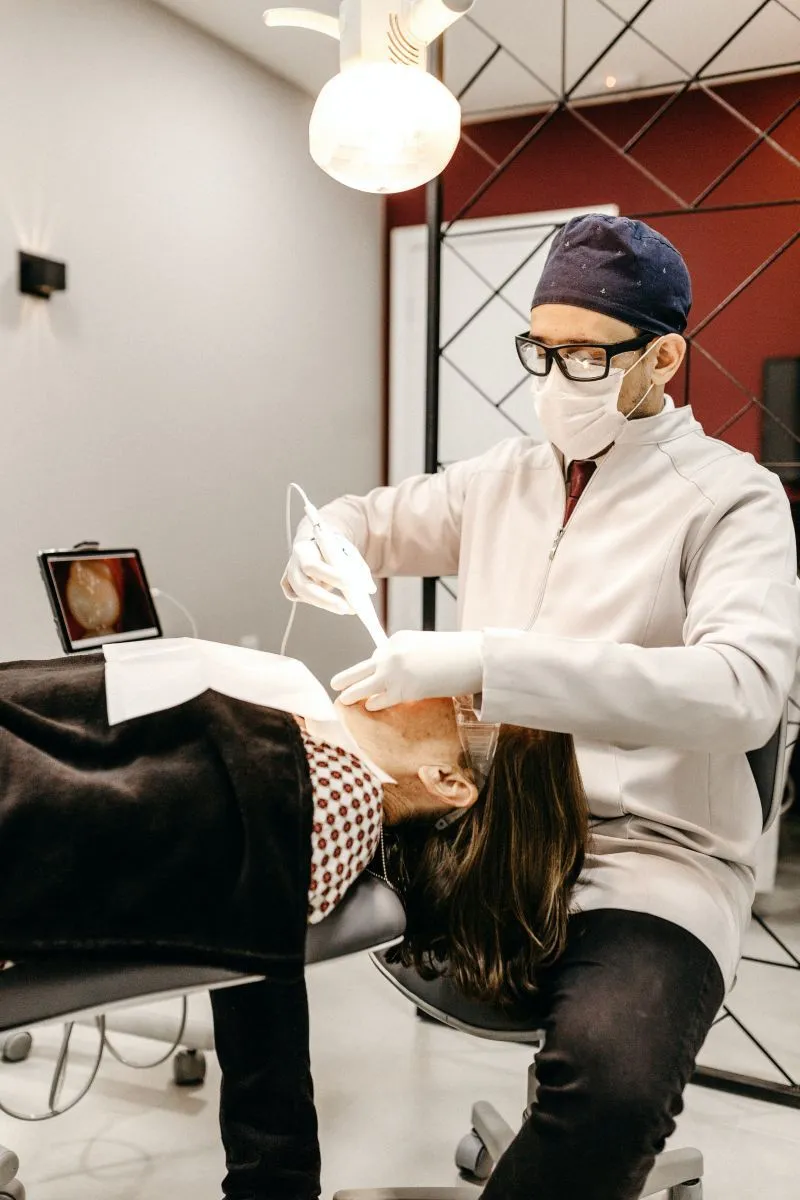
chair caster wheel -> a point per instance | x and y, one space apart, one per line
687 1191
472 1158
13 1190
189 1068
17 1047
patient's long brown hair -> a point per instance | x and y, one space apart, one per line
489 896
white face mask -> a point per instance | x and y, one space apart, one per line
582 419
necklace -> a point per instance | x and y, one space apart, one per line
385 877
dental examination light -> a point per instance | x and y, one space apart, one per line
384 123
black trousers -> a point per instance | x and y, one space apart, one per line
267 1115
626 1009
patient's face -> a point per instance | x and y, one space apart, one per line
402 738
418 745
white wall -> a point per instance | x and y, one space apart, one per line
220 336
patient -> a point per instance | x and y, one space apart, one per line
213 831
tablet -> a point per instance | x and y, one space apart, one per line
98 596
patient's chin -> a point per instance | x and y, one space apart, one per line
359 713
364 726
353 712
413 718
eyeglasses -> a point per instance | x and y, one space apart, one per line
577 360
479 743
478 738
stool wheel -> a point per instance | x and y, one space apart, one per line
687 1191
17 1047
13 1190
9 1165
189 1068
472 1157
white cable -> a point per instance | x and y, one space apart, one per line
158 592
289 625
301 493
789 796
290 542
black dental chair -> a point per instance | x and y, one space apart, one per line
677 1172
370 917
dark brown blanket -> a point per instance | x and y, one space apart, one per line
183 836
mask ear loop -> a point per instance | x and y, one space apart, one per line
641 358
451 818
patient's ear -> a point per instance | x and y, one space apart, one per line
450 785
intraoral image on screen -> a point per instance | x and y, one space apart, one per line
102 598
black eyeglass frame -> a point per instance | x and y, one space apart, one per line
612 349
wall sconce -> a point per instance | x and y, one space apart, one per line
41 276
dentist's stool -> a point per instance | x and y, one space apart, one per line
677 1172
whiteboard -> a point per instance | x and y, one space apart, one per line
484 392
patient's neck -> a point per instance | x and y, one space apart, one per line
397 804
409 800
404 800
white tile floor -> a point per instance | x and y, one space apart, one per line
394 1096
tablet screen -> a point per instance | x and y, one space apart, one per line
99 596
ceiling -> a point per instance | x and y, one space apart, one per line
530 33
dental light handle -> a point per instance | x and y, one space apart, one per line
353 586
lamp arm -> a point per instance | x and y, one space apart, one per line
303 18
426 20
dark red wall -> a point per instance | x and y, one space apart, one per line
567 166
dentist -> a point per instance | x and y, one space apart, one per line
631 582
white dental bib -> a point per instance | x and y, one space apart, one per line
147 677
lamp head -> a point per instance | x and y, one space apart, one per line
383 124
382 127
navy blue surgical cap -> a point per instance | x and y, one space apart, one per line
619 267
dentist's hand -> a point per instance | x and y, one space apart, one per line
415 666
309 579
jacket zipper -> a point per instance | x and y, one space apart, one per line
557 541
540 597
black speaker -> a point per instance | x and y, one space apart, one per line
780 447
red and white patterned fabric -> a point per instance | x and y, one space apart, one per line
348 803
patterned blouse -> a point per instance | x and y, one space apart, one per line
348 802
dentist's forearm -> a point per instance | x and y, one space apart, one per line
713 699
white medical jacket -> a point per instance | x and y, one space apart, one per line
661 628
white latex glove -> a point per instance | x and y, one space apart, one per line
311 580
415 666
